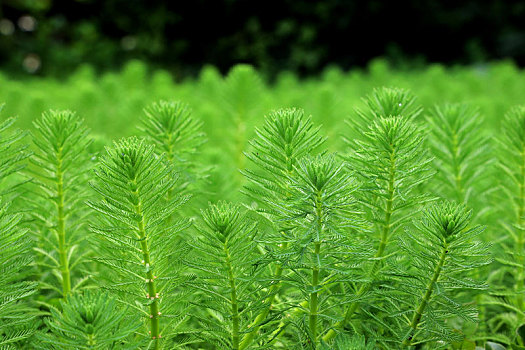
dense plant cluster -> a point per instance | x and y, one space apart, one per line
407 234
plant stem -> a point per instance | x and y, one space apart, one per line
256 324
313 295
150 277
234 304
61 228
91 340
169 158
313 307
460 196
385 234
418 313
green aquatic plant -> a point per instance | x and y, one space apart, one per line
172 129
17 318
442 249
506 301
58 167
136 241
286 136
325 252
91 320
228 283
390 159
304 244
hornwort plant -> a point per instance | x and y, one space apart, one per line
333 251
17 319
174 132
440 251
58 166
228 290
136 241
91 320
507 301
391 161
461 153
285 137
325 252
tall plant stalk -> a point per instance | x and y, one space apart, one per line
323 211
512 162
17 318
391 161
137 239
418 312
59 167
61 228
222 252
438 247
286 137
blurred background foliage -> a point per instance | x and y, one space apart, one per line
52 37
232 105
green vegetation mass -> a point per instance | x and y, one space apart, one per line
377 209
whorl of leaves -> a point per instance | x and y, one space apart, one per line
322 200
391 161
387 152
172 129
91 320
287 136
59 166
137 243
12 154
15 314
389 102
512 161
324 253
461 153
442 250
507 302
229 285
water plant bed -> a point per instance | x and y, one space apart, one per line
232 213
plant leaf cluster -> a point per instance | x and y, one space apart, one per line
376 246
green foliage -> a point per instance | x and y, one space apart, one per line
285 137
13 152
15 314
307 244
323 254
463 156
136 241
229 288
506 302
58 166
344 342
391 161
512 163
92 320
241 98
461 153
441 250
17 319
390 102
171 128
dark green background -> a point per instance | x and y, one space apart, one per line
300 36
